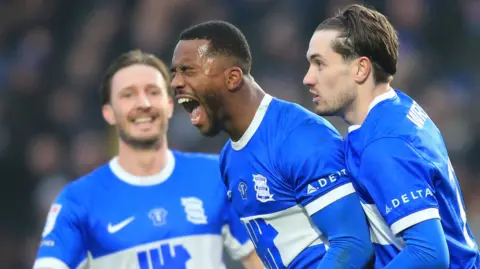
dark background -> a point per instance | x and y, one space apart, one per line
52 54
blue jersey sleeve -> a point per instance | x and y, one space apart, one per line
312 160
399 181
236 239
425 247
63 240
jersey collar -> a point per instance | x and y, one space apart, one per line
252 128
144 181
382 97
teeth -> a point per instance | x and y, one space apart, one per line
143 120
184 100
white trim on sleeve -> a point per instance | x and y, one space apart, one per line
243 251
235 249
50 262
328 198
414 218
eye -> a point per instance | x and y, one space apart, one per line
155 91
188 71
319 64
127 95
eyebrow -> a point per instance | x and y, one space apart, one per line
313 56
182 67
128 88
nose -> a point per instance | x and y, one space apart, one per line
144 101
309 79
177 82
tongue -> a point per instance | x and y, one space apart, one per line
196 115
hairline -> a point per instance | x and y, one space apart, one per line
107 85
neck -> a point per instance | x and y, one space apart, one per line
143 162
242 108
357 112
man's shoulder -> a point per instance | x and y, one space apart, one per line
83 187
195 157
292 118
200 165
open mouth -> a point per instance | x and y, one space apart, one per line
188 103
143 121
193 107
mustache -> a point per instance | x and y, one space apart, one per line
149 112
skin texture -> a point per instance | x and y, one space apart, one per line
340 87
227 97
139 92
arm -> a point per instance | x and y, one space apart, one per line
425 247
252 261
63 242
237 241
350 245
399 180
313 162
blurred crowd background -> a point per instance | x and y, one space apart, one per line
53 53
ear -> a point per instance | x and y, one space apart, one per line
108 115
233 78
171 106
363 69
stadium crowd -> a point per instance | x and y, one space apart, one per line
53 53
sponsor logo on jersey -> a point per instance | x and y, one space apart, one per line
407 198
311 189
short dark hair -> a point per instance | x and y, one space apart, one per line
125 60
365 32
225 39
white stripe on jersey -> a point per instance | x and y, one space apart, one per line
205 252
329 198
380 233
53 263
291 239
414 218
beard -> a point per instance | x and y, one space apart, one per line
213 109
152 142
213 130
144 143
337 106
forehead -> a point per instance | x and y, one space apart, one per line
137 75
189 51
321 43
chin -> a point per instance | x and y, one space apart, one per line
141 141
208 131
326 112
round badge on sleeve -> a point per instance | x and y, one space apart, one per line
51 219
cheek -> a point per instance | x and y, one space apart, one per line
121 113
195 83
334 78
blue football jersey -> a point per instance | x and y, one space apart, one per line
287 166
401 170
179 218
